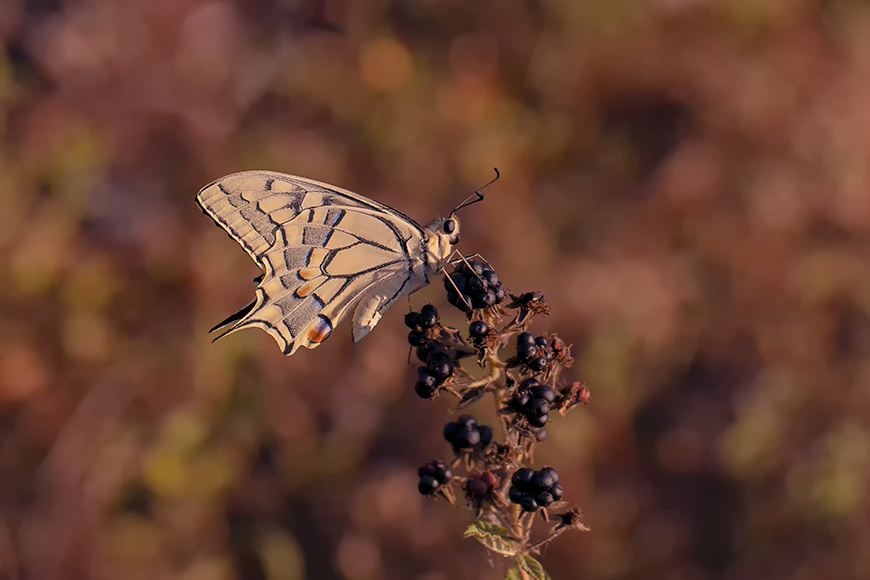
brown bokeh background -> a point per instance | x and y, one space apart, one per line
686 180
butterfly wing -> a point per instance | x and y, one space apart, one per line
322 249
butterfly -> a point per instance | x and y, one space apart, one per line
324 250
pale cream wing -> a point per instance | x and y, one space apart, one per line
322 248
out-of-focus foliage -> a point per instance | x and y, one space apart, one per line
686 180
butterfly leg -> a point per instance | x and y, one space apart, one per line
465 261
452 283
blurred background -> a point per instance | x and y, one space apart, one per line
686 181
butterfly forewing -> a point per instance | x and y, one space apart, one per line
322 248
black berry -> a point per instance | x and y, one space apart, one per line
412 320
428 485
478 329
428 316
465 434
474 287
534 489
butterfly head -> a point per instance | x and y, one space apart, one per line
446 230
443 234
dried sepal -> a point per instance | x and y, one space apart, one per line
574 394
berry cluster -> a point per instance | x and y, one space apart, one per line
524 383
532 401
474 284
465 434
479 486
535 489
419 323
439 365
432 476
534 352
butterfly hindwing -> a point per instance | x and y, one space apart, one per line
322 249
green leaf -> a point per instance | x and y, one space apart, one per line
513 574
532 567
494 537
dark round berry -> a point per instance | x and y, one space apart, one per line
528 504
440 366
412 320
540 341
529 384
526 338
550 473
543 392
537 407
424 375
524 351
556 491
475 285
538 420
424 391
416 338
485 435
544 498
478 329
428 316
454 282
520 401
462 302
466 420
426 383
491 278
437 469
500 293
522 478
488 299
538 364
428 485
489 478
477 486
466 437
450 430
515 494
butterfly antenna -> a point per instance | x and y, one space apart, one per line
471 199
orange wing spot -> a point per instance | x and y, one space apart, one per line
320 330
308 273
306 289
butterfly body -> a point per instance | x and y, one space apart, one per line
324 250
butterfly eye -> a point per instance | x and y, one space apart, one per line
449 226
